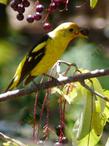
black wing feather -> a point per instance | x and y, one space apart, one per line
30 64
33 58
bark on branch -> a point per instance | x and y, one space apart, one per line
13 141
49 84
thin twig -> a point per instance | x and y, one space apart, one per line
93 91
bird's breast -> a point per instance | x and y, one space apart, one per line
52 54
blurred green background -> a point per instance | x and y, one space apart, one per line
16 38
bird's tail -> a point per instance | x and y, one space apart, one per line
16 81
13 84
10 86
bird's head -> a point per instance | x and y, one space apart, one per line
69 31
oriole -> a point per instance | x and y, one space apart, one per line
46 52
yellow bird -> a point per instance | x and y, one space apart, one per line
46 52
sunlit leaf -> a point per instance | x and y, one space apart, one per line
90 140
93 3
85 123
89 126
71 96
70 92
106 110
91 123
107 143
9 143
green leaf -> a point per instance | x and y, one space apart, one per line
98 119
4 1
90 139
88 127
106 110
85 123
92 122
93 3
72 95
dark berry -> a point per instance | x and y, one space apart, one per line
13 5
39 8
21 9
52 6
25 3
30 19
47 26
18 1
37 16
64 140
60 2
57 2
20 16
59 129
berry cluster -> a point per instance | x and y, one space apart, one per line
20 5
37 16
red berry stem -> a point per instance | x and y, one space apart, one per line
35 135
46 127
47 26
61 134
43 106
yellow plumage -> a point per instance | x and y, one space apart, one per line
42 57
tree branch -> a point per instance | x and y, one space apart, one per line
14 141
52 83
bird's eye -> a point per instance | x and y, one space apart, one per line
71 29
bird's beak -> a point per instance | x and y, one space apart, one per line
84 32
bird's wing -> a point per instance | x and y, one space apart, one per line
33 57
29 62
